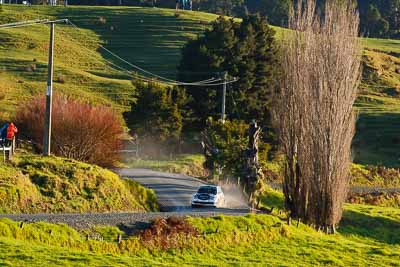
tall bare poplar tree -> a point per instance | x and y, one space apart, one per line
313 109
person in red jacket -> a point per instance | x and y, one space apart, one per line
11 131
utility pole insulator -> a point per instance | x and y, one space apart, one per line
225 75
49 96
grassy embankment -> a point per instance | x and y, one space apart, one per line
32 184
367 236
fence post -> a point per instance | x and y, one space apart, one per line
4 152
13 145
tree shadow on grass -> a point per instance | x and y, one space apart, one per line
376 140
374 227
142 36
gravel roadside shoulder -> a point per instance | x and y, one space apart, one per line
122 220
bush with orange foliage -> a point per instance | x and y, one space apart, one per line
174 232
79 130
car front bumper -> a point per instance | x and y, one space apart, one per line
204 203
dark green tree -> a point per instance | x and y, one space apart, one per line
380 18
157 113
276 11
225 145
391 13
229 156
374 24
246 50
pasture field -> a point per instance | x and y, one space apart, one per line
152 38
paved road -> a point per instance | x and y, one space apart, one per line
174 192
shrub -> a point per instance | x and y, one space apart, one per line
174 232
383 199
375 176
79 130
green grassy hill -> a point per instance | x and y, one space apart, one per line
152 38
377 140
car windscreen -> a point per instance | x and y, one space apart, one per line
207 190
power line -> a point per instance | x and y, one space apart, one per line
209 82
30 23
234 104
22 23
119 68
127 62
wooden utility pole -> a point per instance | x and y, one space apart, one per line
49 96
225 74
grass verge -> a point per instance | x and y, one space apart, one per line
367 236
184 164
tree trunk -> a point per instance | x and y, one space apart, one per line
252 171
